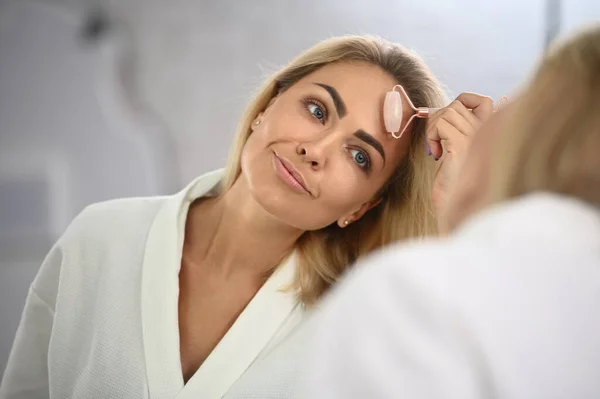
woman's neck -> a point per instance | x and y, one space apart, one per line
232 234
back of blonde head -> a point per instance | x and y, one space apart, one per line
406 210
552 139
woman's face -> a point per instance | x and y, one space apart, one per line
320 152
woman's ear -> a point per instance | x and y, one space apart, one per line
261 115
353 217
270 104
272 101
257 121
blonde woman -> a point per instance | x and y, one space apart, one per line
203 294
507 305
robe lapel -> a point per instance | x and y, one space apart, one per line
160 289
251 332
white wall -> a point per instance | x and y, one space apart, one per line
155 102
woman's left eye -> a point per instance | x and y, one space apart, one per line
360 157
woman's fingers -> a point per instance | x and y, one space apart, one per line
481 106
447 130
456 122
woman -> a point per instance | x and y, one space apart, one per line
507 305
203 294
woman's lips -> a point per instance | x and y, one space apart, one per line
290 175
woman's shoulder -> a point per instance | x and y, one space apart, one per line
113 219
123 207
114 230
499 242
502 250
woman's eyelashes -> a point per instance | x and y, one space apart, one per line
361 158
316 109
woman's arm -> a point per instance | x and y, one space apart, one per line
26 375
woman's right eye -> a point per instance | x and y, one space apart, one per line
316 110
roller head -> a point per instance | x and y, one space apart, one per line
392 111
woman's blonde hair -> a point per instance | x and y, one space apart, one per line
406 210
552 138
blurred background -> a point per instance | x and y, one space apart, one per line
111 98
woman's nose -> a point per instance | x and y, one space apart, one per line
316 152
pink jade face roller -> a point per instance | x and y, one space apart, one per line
392 111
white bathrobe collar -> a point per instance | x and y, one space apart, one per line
160 290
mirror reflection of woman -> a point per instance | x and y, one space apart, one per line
505 306
205 293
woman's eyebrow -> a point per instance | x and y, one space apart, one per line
372 141
340 107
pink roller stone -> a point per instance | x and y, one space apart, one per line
392 111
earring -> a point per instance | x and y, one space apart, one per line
257 122
346 222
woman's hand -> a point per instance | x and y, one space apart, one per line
449 132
